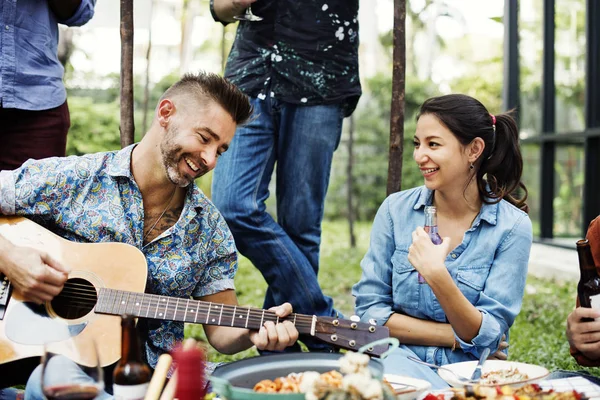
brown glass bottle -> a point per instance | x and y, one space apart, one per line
131 376
589 281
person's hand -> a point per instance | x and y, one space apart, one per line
276 337
34 274
239 6
499 355
425 256
585 336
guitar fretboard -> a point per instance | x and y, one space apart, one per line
119 302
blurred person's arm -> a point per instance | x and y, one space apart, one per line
225 10
584 336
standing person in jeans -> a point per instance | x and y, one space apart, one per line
299 65
34 114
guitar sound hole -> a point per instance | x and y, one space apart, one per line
77 299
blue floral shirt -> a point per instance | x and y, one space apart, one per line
94 198
489 267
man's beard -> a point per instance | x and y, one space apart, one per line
172 154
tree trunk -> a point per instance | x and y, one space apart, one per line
394 182
147 83
127 125
223 48
188 12
350 187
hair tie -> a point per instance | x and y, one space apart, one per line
493 136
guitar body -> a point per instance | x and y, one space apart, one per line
26 326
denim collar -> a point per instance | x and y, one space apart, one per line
487 213
120 166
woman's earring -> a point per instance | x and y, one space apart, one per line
471 166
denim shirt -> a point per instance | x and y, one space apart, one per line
489 267
31 76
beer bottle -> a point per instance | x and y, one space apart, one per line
131 376
588 288
431 228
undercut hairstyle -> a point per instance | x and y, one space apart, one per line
206 85
500 165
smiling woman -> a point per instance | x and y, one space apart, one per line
474 280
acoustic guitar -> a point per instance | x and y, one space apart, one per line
108 280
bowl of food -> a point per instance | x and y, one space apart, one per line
298 376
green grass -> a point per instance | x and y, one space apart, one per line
538 335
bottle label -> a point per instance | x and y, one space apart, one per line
130 392
595 302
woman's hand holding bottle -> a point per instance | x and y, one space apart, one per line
426 257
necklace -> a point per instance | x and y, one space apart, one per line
159 217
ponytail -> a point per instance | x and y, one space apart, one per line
502 166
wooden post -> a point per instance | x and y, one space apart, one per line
127 126
349 166
394 182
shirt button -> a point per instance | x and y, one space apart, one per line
6 27
453 255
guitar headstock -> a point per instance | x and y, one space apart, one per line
352 335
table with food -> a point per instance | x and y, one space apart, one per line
357 376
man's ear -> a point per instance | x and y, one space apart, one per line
165 111
475 149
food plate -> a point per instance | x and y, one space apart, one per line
405 387
534 372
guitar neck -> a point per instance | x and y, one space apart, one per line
118 302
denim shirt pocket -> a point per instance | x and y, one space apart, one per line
471 281
404 282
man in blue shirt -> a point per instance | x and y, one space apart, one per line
33 109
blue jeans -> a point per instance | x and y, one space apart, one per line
58 368
300 142
397 363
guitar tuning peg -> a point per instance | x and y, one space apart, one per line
355 318
372 321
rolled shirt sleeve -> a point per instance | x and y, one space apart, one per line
84 13
501 299
7 193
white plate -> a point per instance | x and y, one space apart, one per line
534 372
407 388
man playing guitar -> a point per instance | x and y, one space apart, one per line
144 195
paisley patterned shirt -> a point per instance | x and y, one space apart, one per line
94 198
302 52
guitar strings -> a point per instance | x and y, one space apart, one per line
85 292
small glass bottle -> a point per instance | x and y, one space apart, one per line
588 288
131 376
432 229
